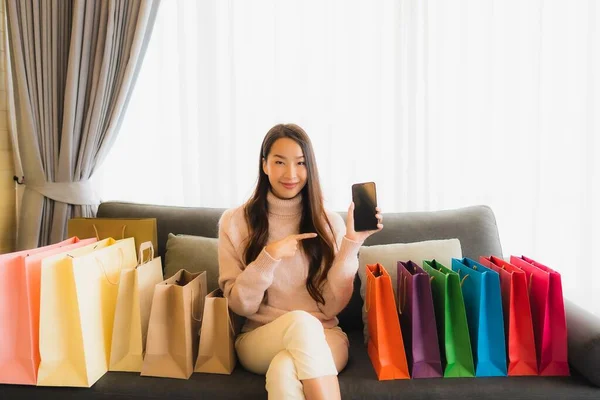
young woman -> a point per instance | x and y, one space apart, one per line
288 265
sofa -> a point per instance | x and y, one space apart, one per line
477 231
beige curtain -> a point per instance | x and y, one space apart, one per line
73 65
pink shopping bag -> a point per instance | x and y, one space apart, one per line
20 310
548 315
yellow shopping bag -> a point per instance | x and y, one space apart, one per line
77 304
130 329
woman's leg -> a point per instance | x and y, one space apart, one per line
305 352
338 343
328 387
323 388
282 378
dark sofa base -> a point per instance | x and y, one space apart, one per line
357 381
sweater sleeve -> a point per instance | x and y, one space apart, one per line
243 285
339 285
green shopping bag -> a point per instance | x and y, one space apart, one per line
451 319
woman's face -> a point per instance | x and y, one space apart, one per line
286 168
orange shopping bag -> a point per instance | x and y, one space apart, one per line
20 310
386 346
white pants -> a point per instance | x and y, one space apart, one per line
290 349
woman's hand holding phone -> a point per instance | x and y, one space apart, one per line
287 246
351 234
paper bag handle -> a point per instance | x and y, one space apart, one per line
192 307
146 246
402 305
230 322
98 236
228 317
369 290
104 269
462 281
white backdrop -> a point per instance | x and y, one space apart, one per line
442 103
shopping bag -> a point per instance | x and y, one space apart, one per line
175 317
548 315
20 309
483 304
417 319
518 327
132 313
78 295
141 229
216 350
451 321
385 346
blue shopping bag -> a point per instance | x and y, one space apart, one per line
483 302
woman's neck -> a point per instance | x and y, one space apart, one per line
284 207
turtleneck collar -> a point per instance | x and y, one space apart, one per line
284 207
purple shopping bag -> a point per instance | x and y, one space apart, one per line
417 319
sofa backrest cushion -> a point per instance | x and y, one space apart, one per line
474 226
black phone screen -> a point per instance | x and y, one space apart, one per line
364 197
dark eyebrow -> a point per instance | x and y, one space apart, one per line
279 156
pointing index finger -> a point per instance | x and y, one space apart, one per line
303 236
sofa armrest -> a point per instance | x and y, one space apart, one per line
584 341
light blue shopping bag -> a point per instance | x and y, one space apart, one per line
483 302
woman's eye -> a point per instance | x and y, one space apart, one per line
279 162
302 163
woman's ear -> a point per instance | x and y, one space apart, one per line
264 166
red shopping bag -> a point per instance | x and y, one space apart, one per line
548 315
385 347
518 324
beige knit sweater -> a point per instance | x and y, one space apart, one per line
284 281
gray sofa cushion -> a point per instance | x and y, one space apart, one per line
194 254
474 226
198 221
357 381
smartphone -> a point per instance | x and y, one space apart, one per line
364 196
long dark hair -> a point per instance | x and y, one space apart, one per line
320 250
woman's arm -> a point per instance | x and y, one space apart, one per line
243 285
339 285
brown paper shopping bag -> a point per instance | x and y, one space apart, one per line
140 229
172 344
134 300
216 351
